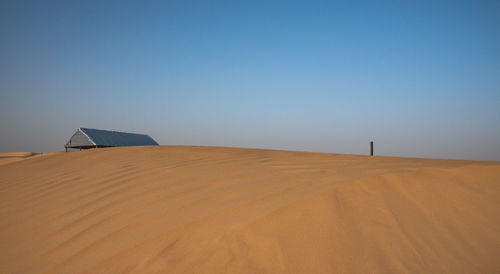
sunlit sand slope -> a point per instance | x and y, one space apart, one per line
229 210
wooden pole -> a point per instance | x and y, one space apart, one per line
371 148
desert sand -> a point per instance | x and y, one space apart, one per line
10 157
230 210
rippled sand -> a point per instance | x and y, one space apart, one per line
230 210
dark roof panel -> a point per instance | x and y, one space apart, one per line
117 139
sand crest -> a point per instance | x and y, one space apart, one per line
11 157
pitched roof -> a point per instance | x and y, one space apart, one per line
115 138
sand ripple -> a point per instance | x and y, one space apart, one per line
229 210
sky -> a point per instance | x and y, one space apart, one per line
419 78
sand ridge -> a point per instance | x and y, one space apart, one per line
11 157
182 209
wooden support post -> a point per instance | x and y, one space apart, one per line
371 148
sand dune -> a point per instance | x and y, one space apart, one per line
11 157
229 210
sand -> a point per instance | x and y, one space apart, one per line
229 210
11 157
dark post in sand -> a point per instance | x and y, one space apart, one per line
371 148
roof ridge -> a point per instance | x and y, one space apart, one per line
113 131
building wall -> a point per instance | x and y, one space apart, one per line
79 139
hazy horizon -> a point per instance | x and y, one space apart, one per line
419 79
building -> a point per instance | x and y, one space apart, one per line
85 138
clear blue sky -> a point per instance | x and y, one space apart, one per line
420 78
